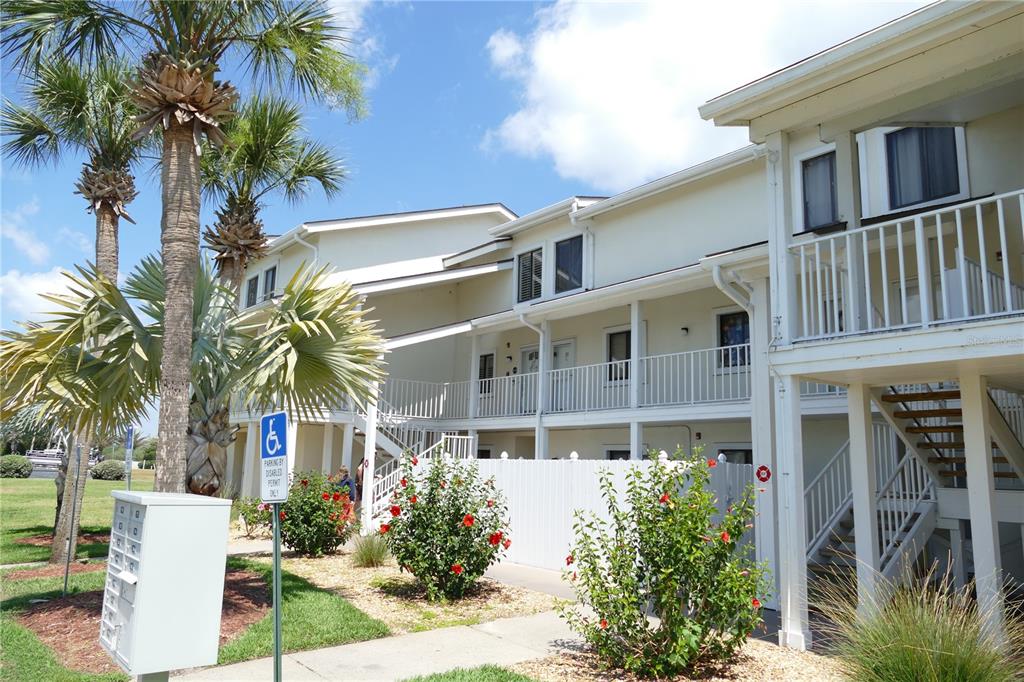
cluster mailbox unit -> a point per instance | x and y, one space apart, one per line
165 581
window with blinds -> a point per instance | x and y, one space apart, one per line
819 189
530 269
922 165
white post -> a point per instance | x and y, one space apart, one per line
975 403
230 454
794 631
865 487
783 284
634 356
327 457
293 442
346 448
474 376
250 480
957 555
541 441
849 209
762 436
636 440
369 457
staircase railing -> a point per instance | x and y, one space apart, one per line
899 502
388 475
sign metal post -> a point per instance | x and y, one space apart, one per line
274 491
129 462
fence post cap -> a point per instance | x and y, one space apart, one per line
504 455
662 456
574 455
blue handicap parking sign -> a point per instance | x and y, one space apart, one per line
129 438
273 435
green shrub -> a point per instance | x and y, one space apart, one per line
108 470
254 513
370 551
15 466
665 551
317 518
445 525
921 629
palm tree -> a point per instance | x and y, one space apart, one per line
314 348
182 43
266 152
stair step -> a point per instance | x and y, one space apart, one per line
826 569
947 394
936 412
942 445
962 460
945 428
963 474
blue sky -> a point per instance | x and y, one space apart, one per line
471 102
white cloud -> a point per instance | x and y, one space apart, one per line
15 226
609 91
365 44
79 240
20 292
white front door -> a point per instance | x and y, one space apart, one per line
529 364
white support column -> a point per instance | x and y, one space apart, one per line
849 210
636 440
762 436
474 376
293 442
541 440
346 448
975 403
327 457
230 454
369 457
957 555
635 348
250 477
780 230
865 490
794 631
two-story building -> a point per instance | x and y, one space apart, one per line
839 304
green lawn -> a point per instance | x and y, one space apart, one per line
29 505
487 673
311 618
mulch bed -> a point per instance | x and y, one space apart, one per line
70 626
45 540
53 570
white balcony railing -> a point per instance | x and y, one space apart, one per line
604 386
700 376
427 399
938 266
509 396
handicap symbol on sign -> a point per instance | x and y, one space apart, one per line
274 427
273 444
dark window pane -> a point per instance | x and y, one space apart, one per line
483 454
486 372
269 283
922 165
530 273
618 454
619 349
733 330
569 264
819 188
252 290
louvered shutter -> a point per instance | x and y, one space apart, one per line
530 273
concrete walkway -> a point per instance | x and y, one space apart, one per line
500 642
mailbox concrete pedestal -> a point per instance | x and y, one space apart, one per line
165 581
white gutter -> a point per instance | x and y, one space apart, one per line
316 249
543 215
740 296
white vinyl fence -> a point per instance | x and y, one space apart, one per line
543 494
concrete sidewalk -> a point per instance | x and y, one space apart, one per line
500 642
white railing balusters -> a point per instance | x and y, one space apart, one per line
986 292
1001 220
944 294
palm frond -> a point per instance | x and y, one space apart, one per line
32 141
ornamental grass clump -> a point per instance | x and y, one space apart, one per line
318 517
920 628
445 525
662 581
370 551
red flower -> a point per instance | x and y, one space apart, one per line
443 484
490 503
404 482
663 499
495 538
395 510
467 520
507 543
332 516
304 482
326 496
457 569
755 602
574 576
384 528
412 500
336 497
281 515
569 559
415 461
604 624
725 536
712 463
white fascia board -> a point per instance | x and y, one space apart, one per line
500 244
702 170
413 217
427 335
915 32
742 258
541 216
426 279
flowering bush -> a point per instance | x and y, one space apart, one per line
255 514
666 552
318 517
445 525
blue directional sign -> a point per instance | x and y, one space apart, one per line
274 457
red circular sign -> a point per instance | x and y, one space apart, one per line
763 473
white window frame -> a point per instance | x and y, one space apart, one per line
882 167
543 274
264 294
798 183
245 292
608 331
548 255
728 310
261 274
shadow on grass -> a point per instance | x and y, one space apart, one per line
32 543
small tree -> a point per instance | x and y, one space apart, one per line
445 525
318 516
665 551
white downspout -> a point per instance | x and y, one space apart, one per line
315 249
729 290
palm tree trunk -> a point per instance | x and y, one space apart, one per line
106 241
65 525
231 273
179 240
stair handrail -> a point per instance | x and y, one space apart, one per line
896 508
388 475
822 520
